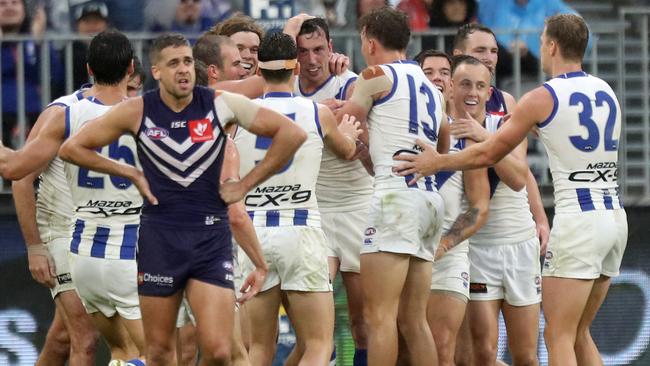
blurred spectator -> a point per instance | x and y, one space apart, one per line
418 13
15 20
450 14
519 14
182 16
247 34
91 18
126 15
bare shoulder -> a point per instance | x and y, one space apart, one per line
372 72
538 103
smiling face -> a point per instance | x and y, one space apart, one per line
314 51
471 89
174 70
248 44
438 71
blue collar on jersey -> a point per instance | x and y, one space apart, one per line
574 74
95 100
405 62
318 88
278 95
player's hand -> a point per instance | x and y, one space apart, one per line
349 127
294 24
440 251
339 63
420 165
41 264
468 128
137 177
543 233
232 191
333 104
252 284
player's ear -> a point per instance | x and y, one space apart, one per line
214 72
89 70
456 52
329 46
155 72
131 68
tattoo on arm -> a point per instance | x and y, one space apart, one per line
463 221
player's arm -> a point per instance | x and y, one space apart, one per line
443 136
252 87
242 227
341 139
477 191
535 106
80 148
539 215
287 138
513 168
41 147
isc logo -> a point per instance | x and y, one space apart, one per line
156 133
178 124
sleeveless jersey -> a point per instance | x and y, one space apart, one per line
581 138
509 220
288 198
106 208
54 203
181 155
411 110
341 184
452 189
497 103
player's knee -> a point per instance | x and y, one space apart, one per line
484 352
524 359
410 326
160 352
359 330
85 345
217 355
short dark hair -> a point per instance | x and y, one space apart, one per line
237 23
465 60
208 49
164 41
277 46
109 56
571 33
138 70
201 70
389 26
425 54
465 30
314 25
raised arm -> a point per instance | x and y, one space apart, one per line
341 139
42 146
252 87
535 106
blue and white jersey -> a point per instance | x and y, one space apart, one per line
54 203
106 208
497 103
289 197
509 220
581 139
411 110
451 186
181 155
342 184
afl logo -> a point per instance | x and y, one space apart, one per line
156 133
371 231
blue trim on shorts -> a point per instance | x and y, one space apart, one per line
76 236
98 248
584 199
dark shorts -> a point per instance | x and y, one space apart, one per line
168 257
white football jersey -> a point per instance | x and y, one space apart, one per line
341 184
289 197
412 109
106 208
581 138
509 219
54 203
452 189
